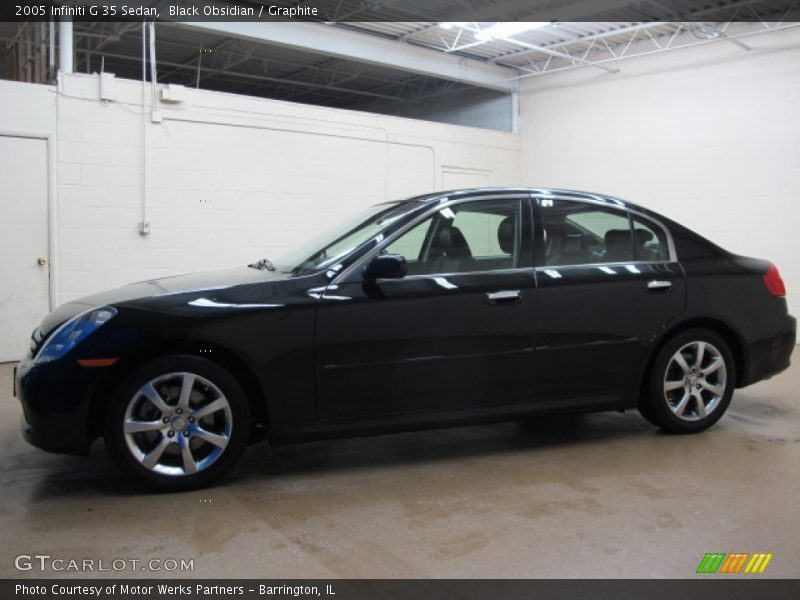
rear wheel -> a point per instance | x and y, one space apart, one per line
691 383
178 423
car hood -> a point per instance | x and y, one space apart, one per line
203 287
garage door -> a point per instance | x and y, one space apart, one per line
24 283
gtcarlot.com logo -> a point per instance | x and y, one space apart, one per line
46 562
735 562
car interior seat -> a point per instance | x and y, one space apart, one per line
451 253
506 238
618 245
566 248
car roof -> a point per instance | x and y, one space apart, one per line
540 191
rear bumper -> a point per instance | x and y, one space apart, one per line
771 355
55 406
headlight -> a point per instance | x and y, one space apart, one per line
71 333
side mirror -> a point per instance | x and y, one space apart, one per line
386 266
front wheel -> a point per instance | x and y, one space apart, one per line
691 383
177 423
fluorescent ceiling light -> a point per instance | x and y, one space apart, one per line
503 30
451 25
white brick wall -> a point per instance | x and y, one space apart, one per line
229 178
709 136
703 135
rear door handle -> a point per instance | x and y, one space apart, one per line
504 297
657 285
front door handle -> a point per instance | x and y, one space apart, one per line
504 297
657 285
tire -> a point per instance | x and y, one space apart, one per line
682 396
177 423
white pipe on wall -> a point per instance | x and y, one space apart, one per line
51 51
65 46
153 70
144 224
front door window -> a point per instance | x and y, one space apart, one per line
464 238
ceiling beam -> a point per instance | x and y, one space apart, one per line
569 57
524 10
331 41
237 75
667 20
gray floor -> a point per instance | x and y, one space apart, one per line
589 496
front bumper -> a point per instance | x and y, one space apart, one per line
55 399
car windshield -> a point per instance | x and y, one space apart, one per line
327 248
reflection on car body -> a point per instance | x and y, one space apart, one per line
442 309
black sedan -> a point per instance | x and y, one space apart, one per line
443 309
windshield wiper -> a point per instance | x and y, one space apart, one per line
262 264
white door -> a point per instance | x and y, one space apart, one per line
456 178
24 283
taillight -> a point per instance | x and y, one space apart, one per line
773 281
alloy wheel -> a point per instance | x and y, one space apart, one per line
177 424
695 381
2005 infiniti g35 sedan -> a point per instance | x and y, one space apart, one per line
443 309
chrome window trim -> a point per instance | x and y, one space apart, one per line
462 273
632 211
605 264
438 205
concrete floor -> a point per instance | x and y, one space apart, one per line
602 495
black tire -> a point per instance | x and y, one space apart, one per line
172 431
678 410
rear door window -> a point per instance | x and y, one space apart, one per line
649 241
577 233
